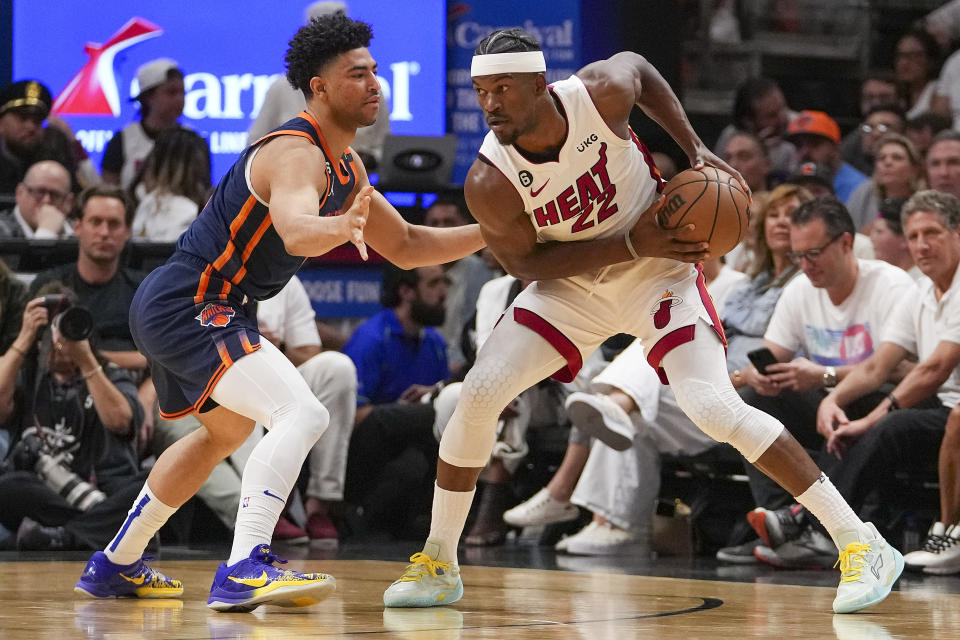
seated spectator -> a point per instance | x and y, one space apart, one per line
172 187
73 417
760 108
103 286
922 129
161 96
24 140
826 321
466 276
816 137
12 300
906 428
878 88
943 163
898 174
878 121
43 202
401 360
916 63
889 244
747 154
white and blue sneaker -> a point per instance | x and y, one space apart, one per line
869 566
427 582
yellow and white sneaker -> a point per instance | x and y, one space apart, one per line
426 582
869 566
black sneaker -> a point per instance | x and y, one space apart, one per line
740 554
33 536
811 550
779 526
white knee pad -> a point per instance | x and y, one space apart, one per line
443 407
308 416
720 413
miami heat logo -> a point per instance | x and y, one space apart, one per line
216 315
661 310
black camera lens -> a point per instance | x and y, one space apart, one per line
75 323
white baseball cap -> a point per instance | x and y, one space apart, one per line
153 74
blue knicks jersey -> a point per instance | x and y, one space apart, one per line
234 235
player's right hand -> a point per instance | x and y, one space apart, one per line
356 219
649 239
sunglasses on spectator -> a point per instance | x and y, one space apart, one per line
39 193
812 255
871 128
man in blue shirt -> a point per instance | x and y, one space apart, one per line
400 359
817 139
398 353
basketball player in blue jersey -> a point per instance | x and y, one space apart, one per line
192 319
565 194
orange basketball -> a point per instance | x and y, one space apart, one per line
713 201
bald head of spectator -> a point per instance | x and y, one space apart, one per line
43 197
943 163
748 155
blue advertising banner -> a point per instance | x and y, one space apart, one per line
230 51
556 24
343 291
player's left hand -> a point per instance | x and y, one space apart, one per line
704 157
799 374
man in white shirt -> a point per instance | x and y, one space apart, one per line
903 431
826 321
43 201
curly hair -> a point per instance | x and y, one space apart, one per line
318 43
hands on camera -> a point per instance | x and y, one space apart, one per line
70 327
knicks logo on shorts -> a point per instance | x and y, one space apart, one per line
661 310
216 315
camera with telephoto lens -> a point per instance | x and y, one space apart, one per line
73 322
30 454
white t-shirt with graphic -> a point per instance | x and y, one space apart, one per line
806 322
922 322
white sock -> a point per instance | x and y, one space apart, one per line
449 514
261 503
144 519
824 501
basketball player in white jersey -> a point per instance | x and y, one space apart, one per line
565 196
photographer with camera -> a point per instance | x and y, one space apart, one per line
72 417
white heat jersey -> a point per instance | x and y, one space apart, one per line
598 186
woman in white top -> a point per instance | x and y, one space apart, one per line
172 187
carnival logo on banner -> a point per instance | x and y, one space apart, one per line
93 91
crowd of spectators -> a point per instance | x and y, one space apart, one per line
847 277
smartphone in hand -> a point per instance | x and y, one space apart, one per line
762 358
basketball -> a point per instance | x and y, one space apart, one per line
713 201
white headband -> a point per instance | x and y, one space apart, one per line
514 62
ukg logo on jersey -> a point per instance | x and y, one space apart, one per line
93 91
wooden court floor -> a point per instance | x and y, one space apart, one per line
37 603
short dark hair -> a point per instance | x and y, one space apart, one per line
454 199
507 41
393 278
106 191
748 93
936 122
318 43
887 107
835 216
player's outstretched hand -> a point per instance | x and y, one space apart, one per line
355 219
649 239
706 157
